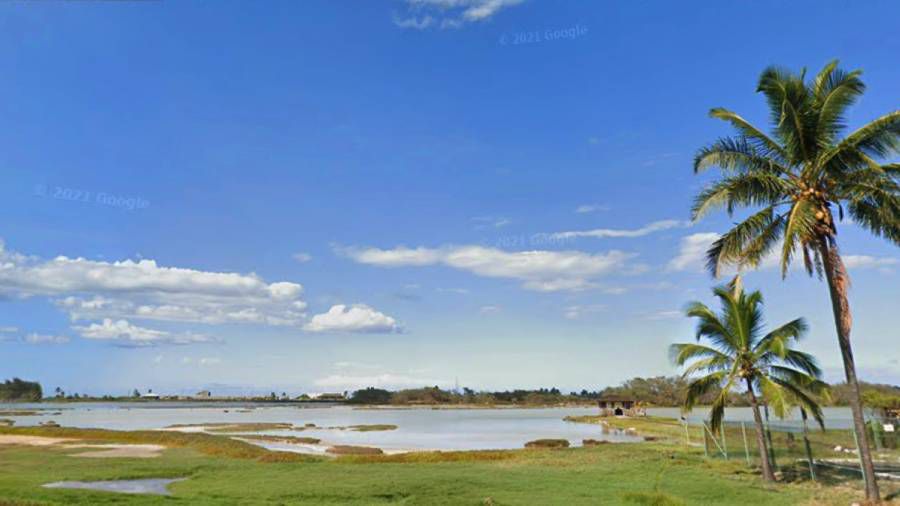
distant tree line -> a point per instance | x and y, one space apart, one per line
661 391
20 390
436 395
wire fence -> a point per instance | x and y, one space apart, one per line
802 448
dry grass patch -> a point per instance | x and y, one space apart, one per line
354 450
284 439
547 443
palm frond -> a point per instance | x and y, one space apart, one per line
756 188
682 352
803 361
790 389
799 229
778 340
710 326
775 395
875 205
834 90
700 387
879 138
761 143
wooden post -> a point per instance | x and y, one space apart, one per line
705 441
724 438
862 468
769 438
746 447
809 455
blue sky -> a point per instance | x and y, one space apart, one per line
316 196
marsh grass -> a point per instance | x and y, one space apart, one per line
207 444
372 428
607 474
354 450
547 443
283 439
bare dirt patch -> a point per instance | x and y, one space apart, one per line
141 451
106 451
9 439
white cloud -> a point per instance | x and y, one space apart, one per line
123 333
692 256
385 380
482 222
142 289
489 309
206 361
665 315
539 270
423 14
355 318
869 262
460 291
656 226
8 330
692 252
355 365
576 312
302 257
590 208
45 339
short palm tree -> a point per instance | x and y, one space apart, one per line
742 357
804 177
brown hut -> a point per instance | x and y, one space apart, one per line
613 405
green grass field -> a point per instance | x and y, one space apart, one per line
223 471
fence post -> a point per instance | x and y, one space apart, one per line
809 455
769 438
746 448
876 436
705 441
862 470
724 438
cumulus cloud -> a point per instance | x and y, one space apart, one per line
357 318
538 270
600 233
91 289
422 14
692 252
123 333
869 262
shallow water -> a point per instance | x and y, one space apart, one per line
835 417
418 429
156 486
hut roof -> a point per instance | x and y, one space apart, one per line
616 398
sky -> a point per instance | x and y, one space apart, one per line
326 195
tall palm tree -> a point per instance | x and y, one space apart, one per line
801 176
742 357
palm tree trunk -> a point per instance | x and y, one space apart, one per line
838 282
760 437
